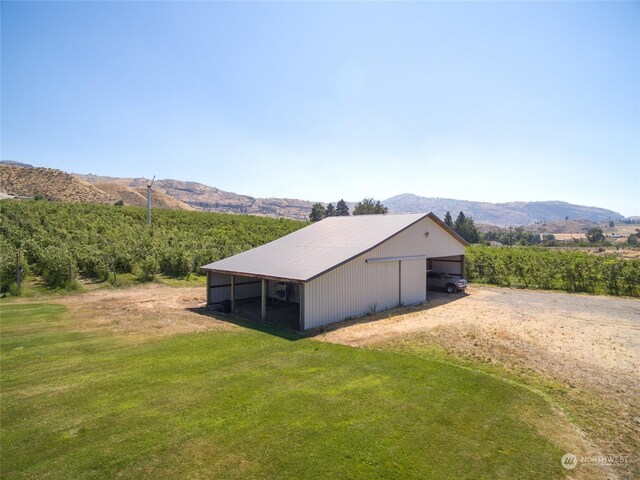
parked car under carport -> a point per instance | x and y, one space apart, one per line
445 281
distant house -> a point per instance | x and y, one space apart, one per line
495 243
337 268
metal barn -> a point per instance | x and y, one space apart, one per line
338 268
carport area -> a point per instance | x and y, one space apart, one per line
255 298
453 265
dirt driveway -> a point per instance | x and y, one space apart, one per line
561 328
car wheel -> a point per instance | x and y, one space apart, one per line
451 289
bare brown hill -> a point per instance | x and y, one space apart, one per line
138 196
50 183
27 181
197 196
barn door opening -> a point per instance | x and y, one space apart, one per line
453 265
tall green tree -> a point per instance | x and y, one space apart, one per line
369 206
317 212
595 235
330 211
448 221
342 209
466 228
460 221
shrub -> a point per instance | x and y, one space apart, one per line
8 268
13 289
59 268
176 263
147 269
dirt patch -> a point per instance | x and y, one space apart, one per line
588 345
601 331
150 309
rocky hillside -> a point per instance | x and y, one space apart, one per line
512 213
137 196
198 196
24 181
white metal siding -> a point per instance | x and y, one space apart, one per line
351 290
414 281
356 288
440 243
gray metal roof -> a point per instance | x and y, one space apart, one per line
320 247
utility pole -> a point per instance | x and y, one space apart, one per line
149 200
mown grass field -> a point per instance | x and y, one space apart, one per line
244 403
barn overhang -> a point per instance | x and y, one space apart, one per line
243 292
254 275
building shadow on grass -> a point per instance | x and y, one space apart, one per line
272 328
286 331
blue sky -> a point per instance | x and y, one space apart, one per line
480 101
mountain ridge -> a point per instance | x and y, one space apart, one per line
501 214
22 180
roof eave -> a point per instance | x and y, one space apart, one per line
252 275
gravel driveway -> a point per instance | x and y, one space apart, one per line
602 332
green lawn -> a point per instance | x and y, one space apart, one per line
252 404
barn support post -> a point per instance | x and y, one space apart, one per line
208 288
399 283
426 281
263 301
301 316
232 296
